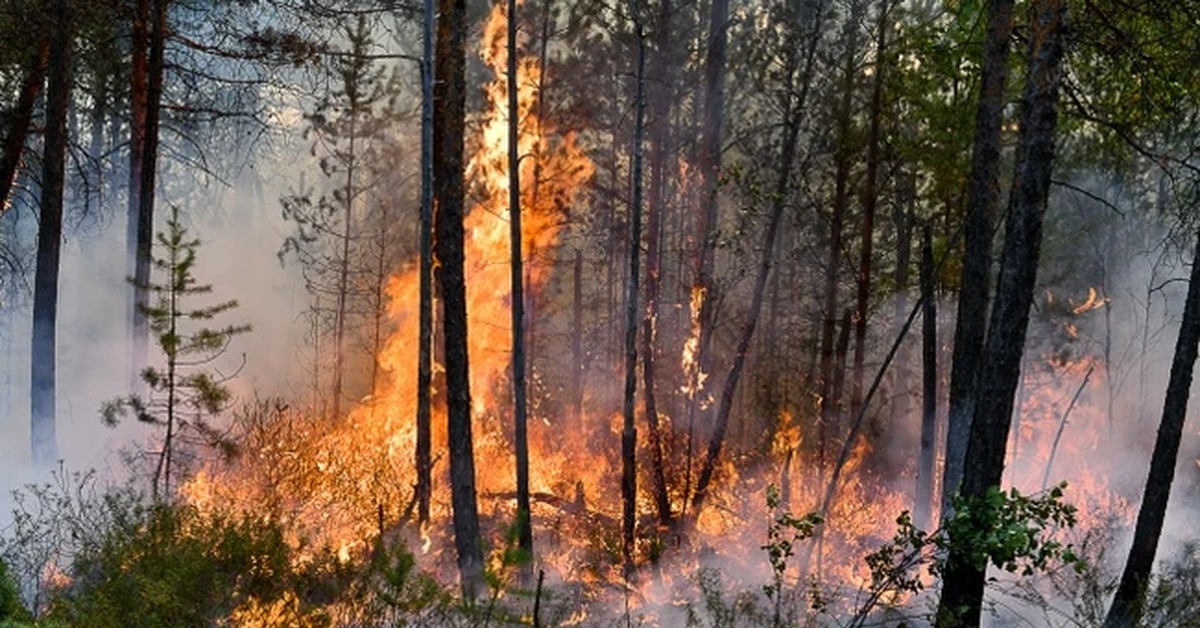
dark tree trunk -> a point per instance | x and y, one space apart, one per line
902 219
924 500
139 76
629 431
448 123
517 302
149 171
963 583
45 288
660 134
14 141
1131 592
870 199
982 194
577 340
424 445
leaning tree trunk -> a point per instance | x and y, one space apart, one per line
517 301
18 129
1131 592
45 287
629 430
424 444
448 123
982 193
964 579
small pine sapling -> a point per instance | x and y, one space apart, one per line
181 394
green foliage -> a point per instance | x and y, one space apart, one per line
1008 529
174 566
12 609
784 532
182 395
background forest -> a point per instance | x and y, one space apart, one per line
655 312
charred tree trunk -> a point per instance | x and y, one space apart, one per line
424 445
660 132
148 172
902 219
1131 592
982 193
923 508
14 141
448 144
517 302
43 385
962 592
577 340
629 431
870 199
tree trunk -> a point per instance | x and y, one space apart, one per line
660 132
449 119
14 142
982 194
139 76
517 302
924 500
1131 592
45 288
963 583
629 431
870 199
424 445
902 219
577 340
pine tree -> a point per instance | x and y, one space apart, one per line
182 394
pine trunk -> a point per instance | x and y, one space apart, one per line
923 507
18 129
448 144
424 445
43 384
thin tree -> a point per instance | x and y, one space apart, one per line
517 302
982 193
629 429
964 577
43 383
924 495
449 119
424 444
139 82
1131 592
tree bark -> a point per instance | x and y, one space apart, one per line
43 384
424 444
517 302
629 431
1131 592
448 144
660 133
18 130
139 76
963 583
924 499
902 219
982 193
